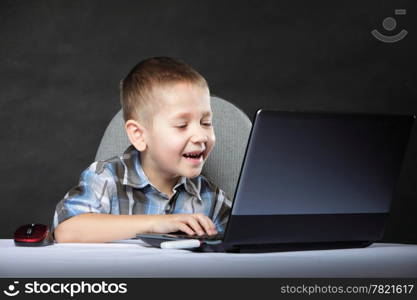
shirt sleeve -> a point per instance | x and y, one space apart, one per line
91 195
221 210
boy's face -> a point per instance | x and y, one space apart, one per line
182 125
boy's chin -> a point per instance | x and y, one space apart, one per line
192 173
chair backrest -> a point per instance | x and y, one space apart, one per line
232 128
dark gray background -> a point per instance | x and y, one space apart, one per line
61 62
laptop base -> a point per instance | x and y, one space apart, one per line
155 240
265 248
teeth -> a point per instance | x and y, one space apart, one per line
192 155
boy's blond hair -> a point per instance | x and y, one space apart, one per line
136 89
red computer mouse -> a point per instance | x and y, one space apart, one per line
33 235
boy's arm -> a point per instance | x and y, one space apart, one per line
92 195
99 228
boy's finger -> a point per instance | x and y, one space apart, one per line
205 221
185 228
195 226
210 222
212 225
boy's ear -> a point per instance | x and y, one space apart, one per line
136 134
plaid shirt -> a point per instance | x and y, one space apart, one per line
119 186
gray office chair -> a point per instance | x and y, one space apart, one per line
232 128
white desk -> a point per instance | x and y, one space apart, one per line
135 259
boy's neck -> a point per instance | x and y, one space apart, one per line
163 184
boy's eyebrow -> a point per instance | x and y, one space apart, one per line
186 114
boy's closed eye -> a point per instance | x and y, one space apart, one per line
185 125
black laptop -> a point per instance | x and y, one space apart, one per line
311 181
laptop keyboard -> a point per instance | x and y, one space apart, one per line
218 236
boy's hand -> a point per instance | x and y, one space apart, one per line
191 224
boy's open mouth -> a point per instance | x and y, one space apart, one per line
194 157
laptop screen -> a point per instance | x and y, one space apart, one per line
321 163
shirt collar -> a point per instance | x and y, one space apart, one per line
135 176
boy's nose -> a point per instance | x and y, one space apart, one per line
199 138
